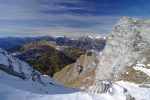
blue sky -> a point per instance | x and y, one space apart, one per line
69 17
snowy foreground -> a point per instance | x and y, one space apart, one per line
14 88
25 83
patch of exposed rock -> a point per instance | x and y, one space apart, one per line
127 45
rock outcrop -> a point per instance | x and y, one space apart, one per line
79 74
126 46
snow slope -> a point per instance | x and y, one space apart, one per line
12 88
139 93
35 86
19 81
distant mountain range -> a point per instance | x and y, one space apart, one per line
87 43
10 42
84 42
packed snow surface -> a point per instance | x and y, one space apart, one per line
14 88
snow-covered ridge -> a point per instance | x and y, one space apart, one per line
17 77
21 69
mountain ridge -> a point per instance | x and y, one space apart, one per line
126 47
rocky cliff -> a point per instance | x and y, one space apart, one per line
79 74
127 47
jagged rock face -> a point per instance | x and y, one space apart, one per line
81 73
126 45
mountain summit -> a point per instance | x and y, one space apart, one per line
127 48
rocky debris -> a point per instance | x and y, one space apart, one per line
129 97
126 45
79 74
103 87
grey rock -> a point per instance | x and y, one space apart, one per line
103 87
127 44
129 97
